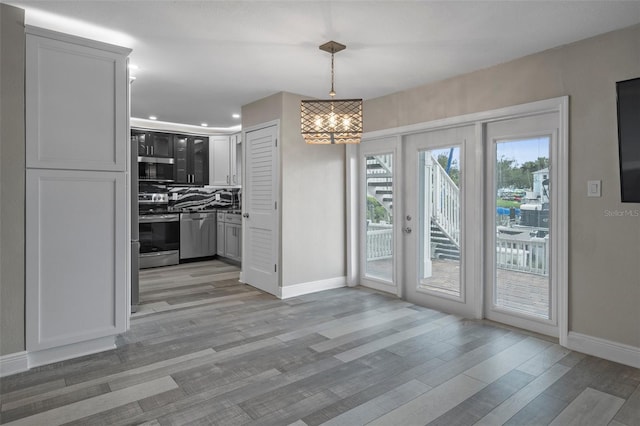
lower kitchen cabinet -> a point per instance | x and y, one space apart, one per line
229 236
233 241
220 235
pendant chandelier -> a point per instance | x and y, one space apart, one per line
331 121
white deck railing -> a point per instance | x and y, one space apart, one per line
445 201
379 241
530 256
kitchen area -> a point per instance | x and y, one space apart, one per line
188 195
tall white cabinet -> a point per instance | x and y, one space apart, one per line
77 204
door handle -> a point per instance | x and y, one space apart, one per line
407 230
246 215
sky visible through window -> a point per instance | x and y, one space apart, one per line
523 150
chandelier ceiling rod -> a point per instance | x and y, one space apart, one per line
332 47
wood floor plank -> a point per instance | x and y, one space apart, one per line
505 361
432 404
205 349
507 409
629 413
591 407
88 407
380 405
469 411
113 379
368 348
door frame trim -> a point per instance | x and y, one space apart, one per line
559 105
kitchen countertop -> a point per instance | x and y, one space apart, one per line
216 210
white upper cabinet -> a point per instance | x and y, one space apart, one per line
76 101
226 160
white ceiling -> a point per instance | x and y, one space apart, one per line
200 61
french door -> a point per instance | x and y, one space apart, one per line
520 288
439 220
470 217
379 242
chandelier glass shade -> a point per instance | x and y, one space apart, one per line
331 121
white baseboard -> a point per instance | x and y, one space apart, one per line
13 363
602 348
62 353
311 287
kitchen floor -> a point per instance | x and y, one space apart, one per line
204 349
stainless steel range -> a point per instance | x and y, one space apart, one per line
158 227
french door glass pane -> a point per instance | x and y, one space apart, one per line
440 227
379 231
522 226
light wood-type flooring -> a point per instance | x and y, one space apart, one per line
204 349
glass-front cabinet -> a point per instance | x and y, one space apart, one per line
153 144
191 159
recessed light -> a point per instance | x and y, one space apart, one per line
204 124
153 117
236 115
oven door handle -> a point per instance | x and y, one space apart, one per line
159 218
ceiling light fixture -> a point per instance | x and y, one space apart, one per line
235 115
204 124
153 117
332 121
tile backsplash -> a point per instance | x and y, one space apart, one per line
191 198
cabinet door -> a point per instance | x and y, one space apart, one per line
140 139
199 157
219 146
181 159
76 251
238 161
232 241
220 239
76 104
161 145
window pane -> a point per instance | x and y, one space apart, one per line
440 227
522 226
379 242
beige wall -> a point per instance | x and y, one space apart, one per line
313 204
12 185
312 213
604 263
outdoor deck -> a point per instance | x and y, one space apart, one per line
521 291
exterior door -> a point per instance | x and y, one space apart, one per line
521 195
440 221
259 259
379 236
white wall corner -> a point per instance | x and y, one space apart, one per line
294 290
602 348
13 363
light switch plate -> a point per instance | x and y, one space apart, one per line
594 188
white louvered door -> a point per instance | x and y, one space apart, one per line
259 260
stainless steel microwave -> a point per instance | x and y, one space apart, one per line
156 169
